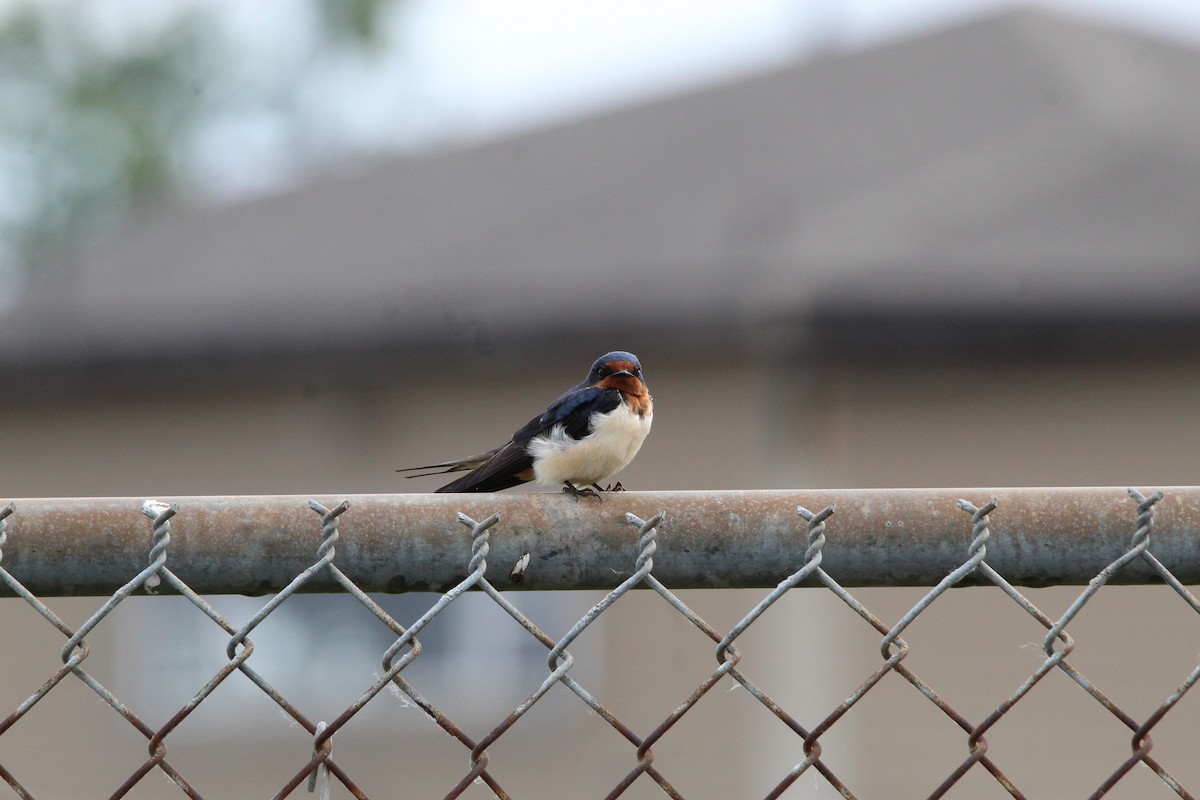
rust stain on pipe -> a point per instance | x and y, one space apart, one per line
413 542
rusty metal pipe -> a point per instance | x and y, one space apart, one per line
413 542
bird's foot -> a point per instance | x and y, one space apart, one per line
576 492
612 487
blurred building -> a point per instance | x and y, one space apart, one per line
964 259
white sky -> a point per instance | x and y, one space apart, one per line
491 66
461 70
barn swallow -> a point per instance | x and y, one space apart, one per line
591 432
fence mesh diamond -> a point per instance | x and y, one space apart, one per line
972 553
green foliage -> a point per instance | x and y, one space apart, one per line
99 117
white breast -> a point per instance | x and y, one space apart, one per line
612 444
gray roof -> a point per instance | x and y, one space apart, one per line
1025 164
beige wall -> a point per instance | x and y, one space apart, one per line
746 426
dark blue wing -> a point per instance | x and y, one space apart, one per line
511 464
573 410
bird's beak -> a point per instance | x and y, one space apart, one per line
622 374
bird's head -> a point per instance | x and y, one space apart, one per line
618 370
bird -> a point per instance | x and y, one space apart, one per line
591 432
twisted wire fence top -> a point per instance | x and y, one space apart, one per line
401 543
935 538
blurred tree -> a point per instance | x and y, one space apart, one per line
106 105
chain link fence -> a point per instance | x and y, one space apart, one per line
199 546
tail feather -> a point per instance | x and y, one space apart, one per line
507 465
472 462
436 469
475 482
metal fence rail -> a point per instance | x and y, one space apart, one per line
453 544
